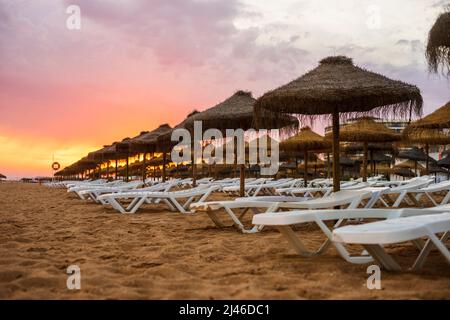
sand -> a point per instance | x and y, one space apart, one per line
156 254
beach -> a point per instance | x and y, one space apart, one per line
157 254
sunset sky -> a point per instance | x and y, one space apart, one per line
136 64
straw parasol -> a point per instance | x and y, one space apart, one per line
366 130
339 88
438 47
444 162
439 119
415 154
306 140
236 112
426 137
403 172
147 142
165 143
2 176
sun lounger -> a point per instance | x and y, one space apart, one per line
433 188
403 191
173 199
285 221
350 199
373 236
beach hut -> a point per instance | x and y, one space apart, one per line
305 141
438 47
366 130
339 88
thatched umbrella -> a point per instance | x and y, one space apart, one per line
236 112
2 176
426 137
403 172
438 47
306 140
415 154
439 119
367 130
165 143
444 162
338 87
148 143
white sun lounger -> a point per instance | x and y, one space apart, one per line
352 199
443 186
405 190
285 221
373 236
93 193
173 199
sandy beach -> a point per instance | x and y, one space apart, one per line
156 254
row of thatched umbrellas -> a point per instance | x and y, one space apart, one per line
336 89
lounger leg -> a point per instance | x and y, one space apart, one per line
446 198
238 223
116 205
137 205
420 261
414 201
380 255
399 200
432 200
295 241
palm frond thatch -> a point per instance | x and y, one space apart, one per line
415 154
425 137
366 130
358 147
236 112
147 142
438 47
306 140
439 119
2 176
338 85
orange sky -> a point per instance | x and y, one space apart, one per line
134 65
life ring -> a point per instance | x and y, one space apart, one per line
56 166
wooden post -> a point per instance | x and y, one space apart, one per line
305 176
365 161
336 162
427 149
328 166
115 178
164 167
242 180
194 181
144 167
126 170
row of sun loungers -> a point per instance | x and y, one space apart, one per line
286 203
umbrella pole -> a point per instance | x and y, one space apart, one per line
144 171
193 169
305 176
126 170
164 167
427 149
372 163
336 162
115 178
415 167
328 166
242 180
365 161
296 166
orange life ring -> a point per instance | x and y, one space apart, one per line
56 166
